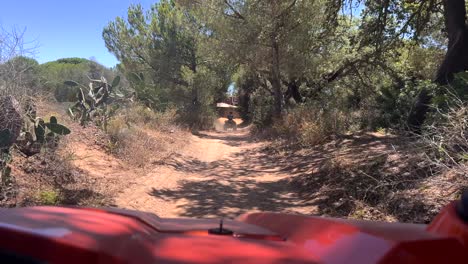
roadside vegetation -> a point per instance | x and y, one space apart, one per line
311 76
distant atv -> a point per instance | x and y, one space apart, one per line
230 124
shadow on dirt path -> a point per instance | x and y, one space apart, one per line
225 174
221 174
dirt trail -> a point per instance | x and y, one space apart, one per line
225 174
218 174
372 176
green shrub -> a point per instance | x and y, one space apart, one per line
197 117
446 98
394 103
48 197
261 105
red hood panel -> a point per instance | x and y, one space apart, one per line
98 236
73 235
188 225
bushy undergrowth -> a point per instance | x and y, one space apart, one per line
48 197
261 106
141 115
309 125
197 118
135 146
138 135
373 182
446 130
447 138
394 103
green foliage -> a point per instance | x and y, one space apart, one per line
10 127
19 76
272 39
56 75
246 85
447 98
74 61
37 128
458 89
281 55
48 197
262 108
395 103
309 125
164 56
24 63
309 47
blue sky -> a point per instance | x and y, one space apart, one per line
64 28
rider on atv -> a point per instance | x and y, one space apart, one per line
230 123
230 116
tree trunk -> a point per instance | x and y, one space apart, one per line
456 58
276 78
244 105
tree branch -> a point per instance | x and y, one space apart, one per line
236 13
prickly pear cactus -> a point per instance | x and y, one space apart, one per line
5 138
10 127
10 119
93 101
37 134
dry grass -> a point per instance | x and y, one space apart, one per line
374 176
369 176
369 185
142 137
139 148
447 139
65 175
308 125
142 116
50 177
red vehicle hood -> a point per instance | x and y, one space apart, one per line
74 235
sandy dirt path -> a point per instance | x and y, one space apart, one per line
218 174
